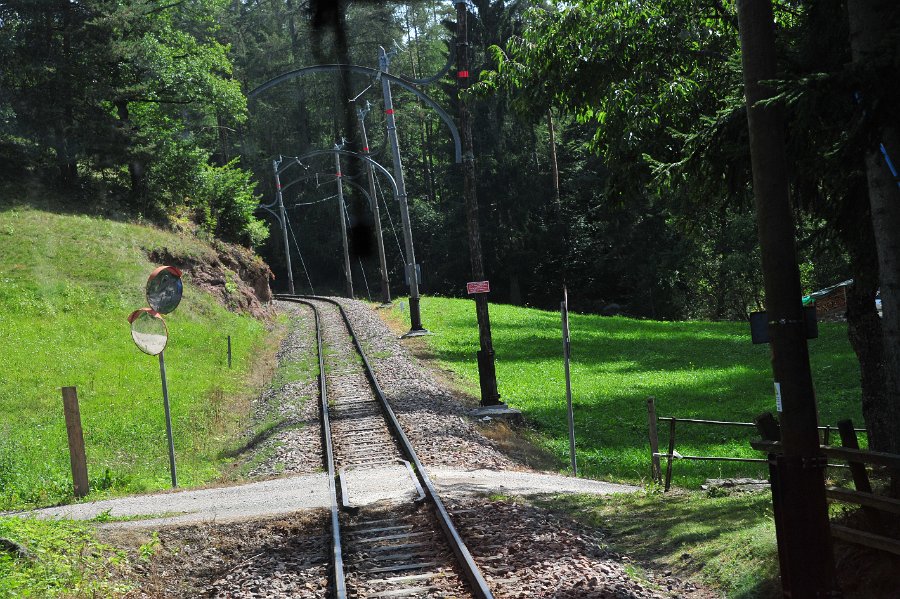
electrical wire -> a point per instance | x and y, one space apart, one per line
299 253
361 269
391 219
331 197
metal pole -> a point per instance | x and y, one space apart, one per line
376 211
414 311
348 277
287 248
564 310
165 390
487 373
229 351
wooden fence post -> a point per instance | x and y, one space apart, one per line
671 454
655 469
858 469
76 442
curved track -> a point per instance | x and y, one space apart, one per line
401 549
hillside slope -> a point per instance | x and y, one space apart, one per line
67 284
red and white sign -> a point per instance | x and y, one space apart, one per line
478 287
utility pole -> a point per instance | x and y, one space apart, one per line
338 175
487 374
287 248
804 538
415 314
376 211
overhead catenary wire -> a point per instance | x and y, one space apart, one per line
299 253
391 219
358 259
331 197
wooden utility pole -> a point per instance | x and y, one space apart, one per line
487 374
804 535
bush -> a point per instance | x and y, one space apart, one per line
230 198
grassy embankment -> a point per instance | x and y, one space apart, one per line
67 283
694 370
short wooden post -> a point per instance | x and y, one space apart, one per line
77 457
826 435
655 470
858 469
671 453
229 351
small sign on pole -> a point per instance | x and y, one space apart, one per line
478 287
564 311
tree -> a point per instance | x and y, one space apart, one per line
874 28
143 84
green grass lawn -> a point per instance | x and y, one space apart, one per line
67 284
707 370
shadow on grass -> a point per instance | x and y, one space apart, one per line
267 430
729 542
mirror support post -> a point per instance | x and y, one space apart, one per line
165 390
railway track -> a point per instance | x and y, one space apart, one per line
406 545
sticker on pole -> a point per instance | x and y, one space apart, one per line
149 331
478 287
778 406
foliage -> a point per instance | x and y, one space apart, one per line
64 559
63 302
707 370
137 94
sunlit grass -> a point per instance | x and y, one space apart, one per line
707 370
64 558
67 284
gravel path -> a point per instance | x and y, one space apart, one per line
310 491
254 500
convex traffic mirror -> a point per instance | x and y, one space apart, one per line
164 288
149 331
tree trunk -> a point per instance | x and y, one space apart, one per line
136 170
854 228
870 27
554 167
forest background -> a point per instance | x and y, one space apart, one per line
610 139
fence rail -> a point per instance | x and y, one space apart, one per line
863 495
671 455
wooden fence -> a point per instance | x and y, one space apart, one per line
863 494
672 455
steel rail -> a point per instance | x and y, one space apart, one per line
340 583
470 569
